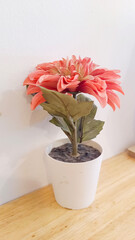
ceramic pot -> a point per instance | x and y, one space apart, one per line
74 184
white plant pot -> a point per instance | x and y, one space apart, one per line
74 184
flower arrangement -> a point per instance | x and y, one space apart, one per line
59 86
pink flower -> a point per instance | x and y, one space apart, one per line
75 75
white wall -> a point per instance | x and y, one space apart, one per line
35 31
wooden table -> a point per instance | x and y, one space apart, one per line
111 217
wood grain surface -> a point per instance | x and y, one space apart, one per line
37 216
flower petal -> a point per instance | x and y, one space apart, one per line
68 83
98 71
111 104
51 78
27 81
115 86
109 75
32 89
44 66
62 84
90 88
37 100
112 97
36 74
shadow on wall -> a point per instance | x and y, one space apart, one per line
29 174
16 116
121 132
127 111
129 102
24 135
15 105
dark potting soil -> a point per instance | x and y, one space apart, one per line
64 153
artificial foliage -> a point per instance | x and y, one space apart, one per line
59 87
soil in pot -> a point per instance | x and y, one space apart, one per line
64 153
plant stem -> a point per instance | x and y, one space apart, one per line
81 129
74 142
74 94
74 138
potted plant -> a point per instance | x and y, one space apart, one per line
74 162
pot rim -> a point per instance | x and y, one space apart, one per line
47 151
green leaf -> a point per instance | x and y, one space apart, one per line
53 110
83 98
87 127
59 122
63 124
95 126
63 105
